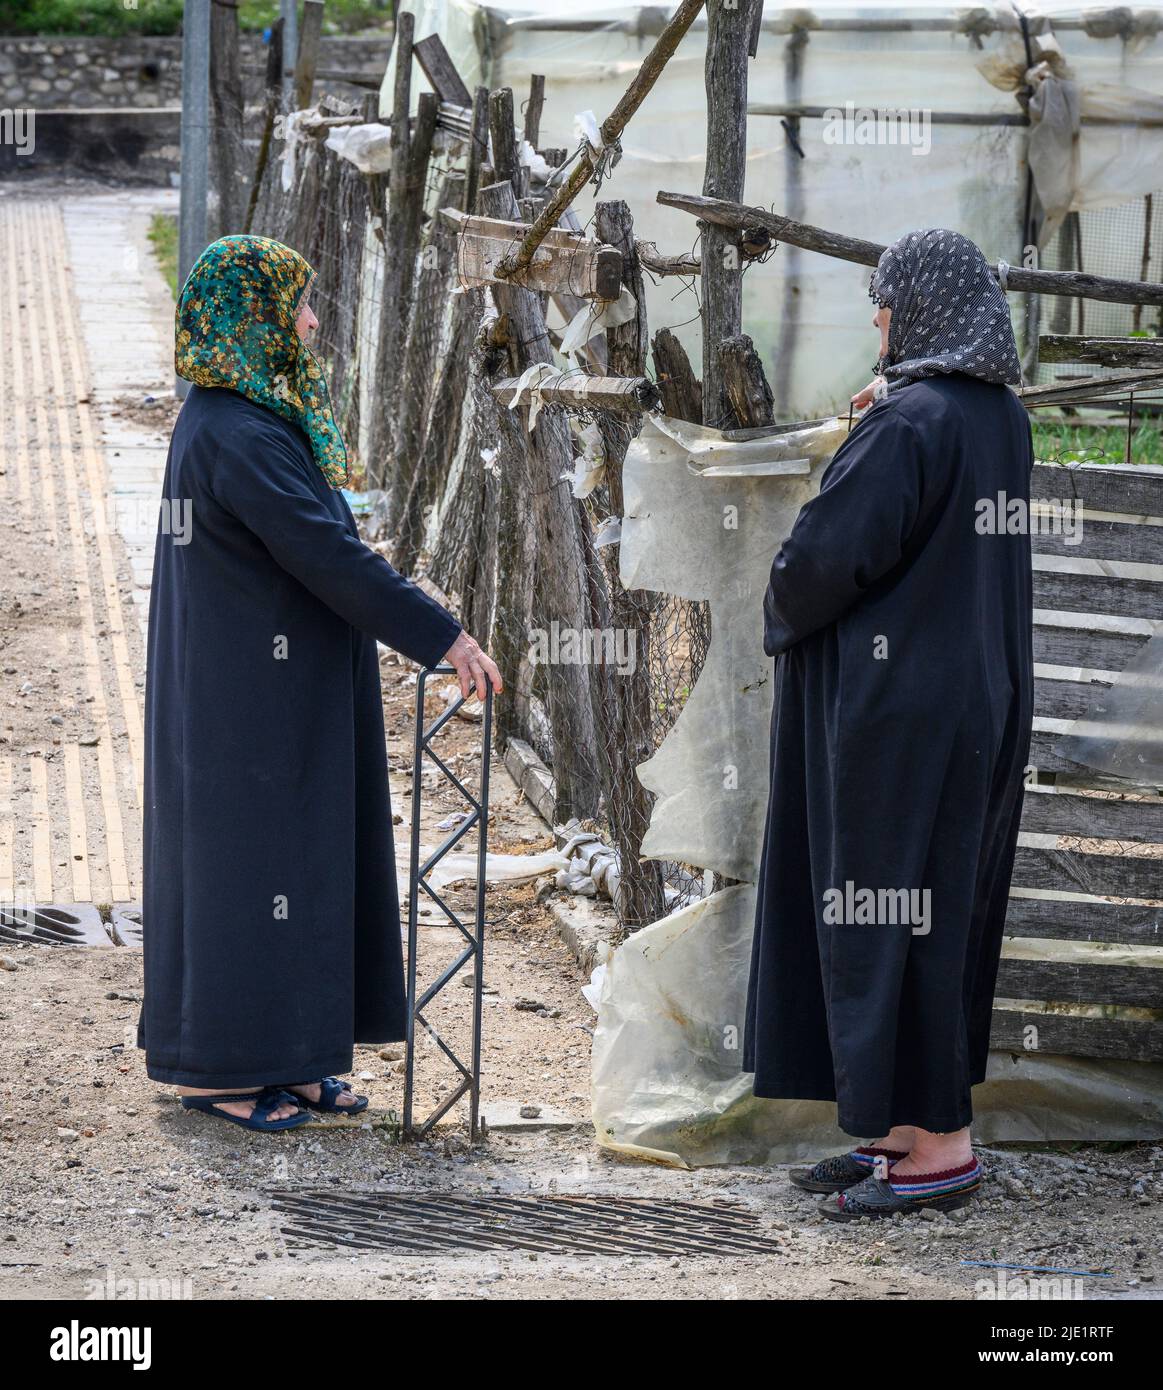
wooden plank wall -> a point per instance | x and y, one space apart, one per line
1094 604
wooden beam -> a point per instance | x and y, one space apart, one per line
745 384
1093 387
273 85
307 58
611 130
565 261
533 108
725 79
550 510
681 390
626 394
629 342
1060 282
227 165
478 148
1101 352
652 259
965 118
441 71
504 140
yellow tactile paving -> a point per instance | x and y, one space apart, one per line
42 879
51 243
78 836
57 474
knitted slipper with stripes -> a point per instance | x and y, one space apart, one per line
875 1197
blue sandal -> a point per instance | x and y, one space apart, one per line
266 1100
330 1089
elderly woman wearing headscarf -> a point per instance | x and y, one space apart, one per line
900 625
271 918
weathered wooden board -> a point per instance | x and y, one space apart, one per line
1098 593
1082 646
1062 1035
1068 919
631 394
441 71
1066 982
1135 489
1095 817
563 262
1114 875
1064 699
1106 540
1103 352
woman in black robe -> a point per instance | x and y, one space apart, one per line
271 917
899 616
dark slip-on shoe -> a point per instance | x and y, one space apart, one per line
841 1171
874 1197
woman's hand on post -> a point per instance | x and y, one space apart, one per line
866 394
473 666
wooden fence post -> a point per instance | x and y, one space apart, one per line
307 58
551 510
628 717
227 162
728 40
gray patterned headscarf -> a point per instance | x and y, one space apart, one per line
948 312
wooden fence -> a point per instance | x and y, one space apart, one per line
1093 843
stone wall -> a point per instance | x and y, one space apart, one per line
55 73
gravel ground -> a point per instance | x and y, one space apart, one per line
106 1178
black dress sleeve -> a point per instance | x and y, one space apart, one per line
259 478
850 534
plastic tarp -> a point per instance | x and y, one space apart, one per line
809 314
667 1078
1121 731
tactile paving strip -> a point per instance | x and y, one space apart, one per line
413 1223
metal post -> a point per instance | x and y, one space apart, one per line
473 932
290 15
195 142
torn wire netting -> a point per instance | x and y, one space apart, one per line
1121 732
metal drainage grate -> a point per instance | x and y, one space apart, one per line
412 1223
78 924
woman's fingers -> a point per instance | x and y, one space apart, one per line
474 667
490 669
478 677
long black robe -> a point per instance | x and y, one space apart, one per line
900 730
271 916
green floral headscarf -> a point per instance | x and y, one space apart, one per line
236 328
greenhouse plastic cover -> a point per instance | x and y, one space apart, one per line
808 314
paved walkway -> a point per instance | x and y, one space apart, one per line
78 500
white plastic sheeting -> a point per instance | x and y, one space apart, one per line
714 538
667 1078
808 314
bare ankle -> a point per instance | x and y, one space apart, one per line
899 1139
940 1151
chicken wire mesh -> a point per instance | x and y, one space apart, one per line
1123 242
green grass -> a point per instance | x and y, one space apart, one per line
112 18
1059 442
163 237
